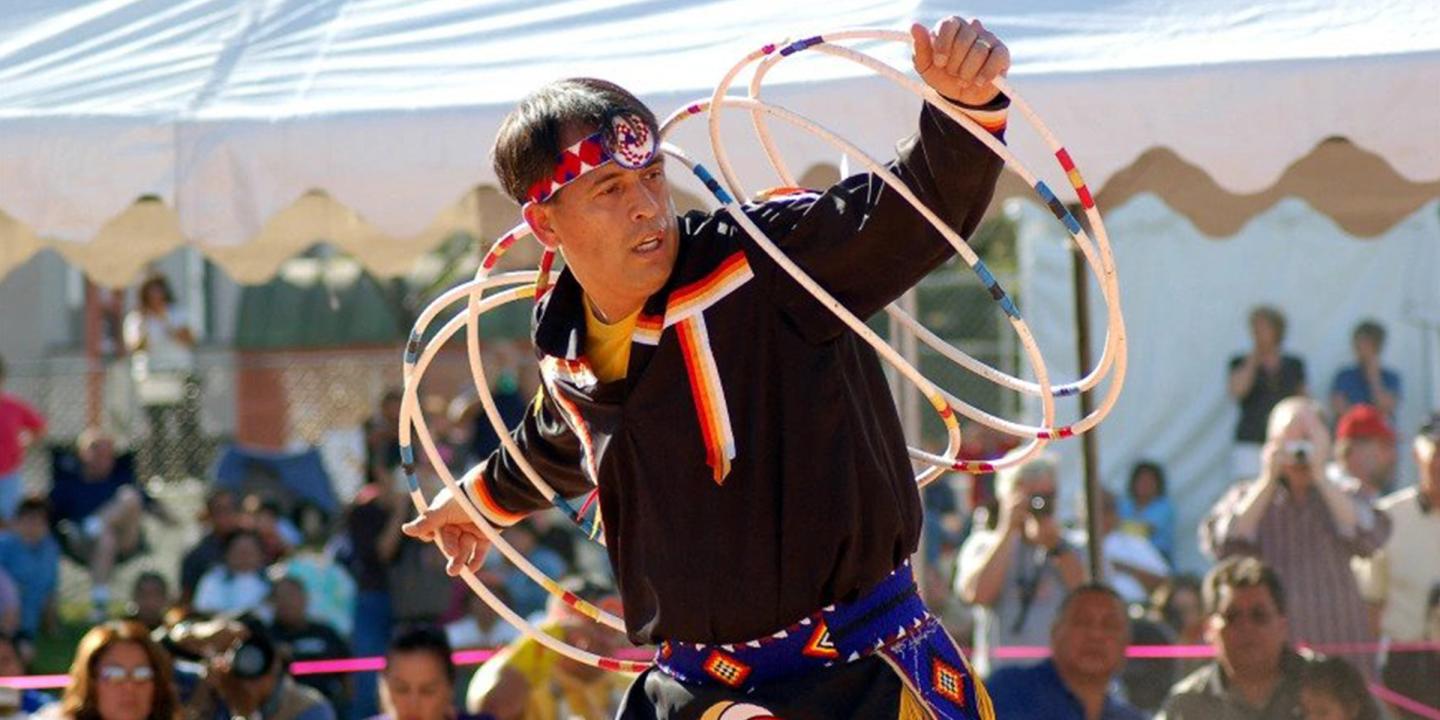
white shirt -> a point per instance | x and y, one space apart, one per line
221 591
1134 551
162 353
1407 567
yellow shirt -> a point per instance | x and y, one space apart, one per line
608 346
553 693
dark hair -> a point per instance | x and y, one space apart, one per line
1162 601
426 639
213 498
150 576
1089 588
1372 330
1340 679
1271 315
34 504
80 702
160 282
1242 572
239 535
1147 466
529 139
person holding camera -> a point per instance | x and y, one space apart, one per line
1303 525
241 674
1017 575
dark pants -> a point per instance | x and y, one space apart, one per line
866 688
370 638
1415 675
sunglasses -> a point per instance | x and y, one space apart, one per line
119 674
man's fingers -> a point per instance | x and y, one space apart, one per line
924 51
978 53
960 50
995 66
945 39
422 528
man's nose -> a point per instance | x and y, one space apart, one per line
647 203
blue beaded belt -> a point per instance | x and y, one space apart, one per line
890 620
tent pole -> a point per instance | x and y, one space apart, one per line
94 369
1089 454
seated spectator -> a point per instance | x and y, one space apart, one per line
301 638
277 534
30 553
327 583
1133 567
239 585
98 507
527 680
1087 648
1178 606
1366 381
222 517
20 427
245 676
418 682
1255 673
1404 576
150 600
1364 453
1333 689
1258 381
119 673
1304 526
1016 575
1145 510
481 627
28 701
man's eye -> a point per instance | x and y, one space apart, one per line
655 174
609 190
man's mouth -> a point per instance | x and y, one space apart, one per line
650 243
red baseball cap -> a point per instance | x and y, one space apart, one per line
1364 421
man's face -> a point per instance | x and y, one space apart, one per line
224 516
615 227
32 527
244 555
98 458
151 601
1089 640
1365 348
1371 460
1264 333
1248 631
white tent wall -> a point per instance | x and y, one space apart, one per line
1186 297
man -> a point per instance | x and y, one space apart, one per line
1017 575
1366 381
1364 452
244 676
1255 674
31 555
99 509
751 467
149 599
222 515
1087 650
302 638
1304 526
1405 575
1258 381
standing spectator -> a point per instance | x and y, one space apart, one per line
1145 510
162 356
20 426
382 440
1366 381
305 639
1405 575
239 585
1304 526
328 584
1258 381
30 553
150 600
98 509
223 518
419 678
372 532
1087 649
1133 567
1255 674
119 673
1017 575
1333 689
1364 452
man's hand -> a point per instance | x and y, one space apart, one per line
462 542
959 59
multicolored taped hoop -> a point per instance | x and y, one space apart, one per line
535 284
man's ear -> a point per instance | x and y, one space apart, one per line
538 218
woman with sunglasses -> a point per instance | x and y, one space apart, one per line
119 674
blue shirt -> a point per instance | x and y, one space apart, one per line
1159 515
1351 383
1036 691
36 570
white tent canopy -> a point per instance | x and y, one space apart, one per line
234 112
